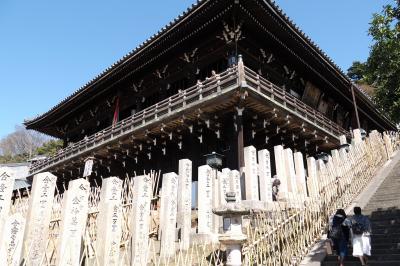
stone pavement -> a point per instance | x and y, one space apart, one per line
380 200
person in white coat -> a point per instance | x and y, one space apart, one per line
361 236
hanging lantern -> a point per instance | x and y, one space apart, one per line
214 160
322 156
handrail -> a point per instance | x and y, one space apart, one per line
266 87
286 232
150 113
194 93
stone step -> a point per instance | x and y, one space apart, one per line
384 198
383 215
387 204
384 219
385 245
377 257
387 223
385 236
384 241
384 205
381 230
385 201
383 210
381 251
357 263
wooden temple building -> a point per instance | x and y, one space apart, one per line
223 75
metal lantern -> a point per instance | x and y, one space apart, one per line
322 156
363 133
214 160
344 146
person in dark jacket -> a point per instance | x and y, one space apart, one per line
339 234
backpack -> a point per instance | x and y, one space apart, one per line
358 228
336 230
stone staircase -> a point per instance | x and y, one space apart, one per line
384 211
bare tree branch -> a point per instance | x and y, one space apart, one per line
22 141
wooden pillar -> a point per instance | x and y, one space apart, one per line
355 105
240 109
240 143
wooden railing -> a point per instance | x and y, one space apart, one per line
195 94
288 230
284 98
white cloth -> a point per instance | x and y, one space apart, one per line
361 245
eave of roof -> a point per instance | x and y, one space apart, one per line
120 63
175 23
329 62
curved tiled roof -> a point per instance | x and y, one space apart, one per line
123 60
305 36
315 46
194 7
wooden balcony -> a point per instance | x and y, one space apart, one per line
168 109
284 100
216 93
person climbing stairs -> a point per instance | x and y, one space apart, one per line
383 210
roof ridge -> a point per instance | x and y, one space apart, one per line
175 21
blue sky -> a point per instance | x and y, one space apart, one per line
49 49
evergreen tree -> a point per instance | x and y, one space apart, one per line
382 68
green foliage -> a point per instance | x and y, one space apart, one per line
382 68
20 158
49 148
357 71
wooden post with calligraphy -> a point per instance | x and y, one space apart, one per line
251 173
216 220
39 214
290 172
12 239
6 189
109 222
264 172
234 180
88 167
312 180
224 185
205 186
73 222
300 173
140 225
281 171
184 220
169 199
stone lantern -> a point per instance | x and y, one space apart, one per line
232 236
